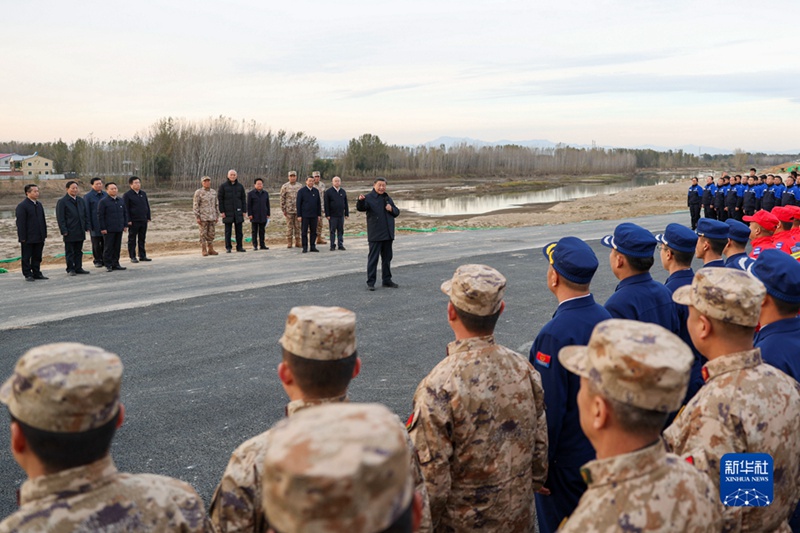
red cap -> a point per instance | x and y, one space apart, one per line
795 209
783 213
765 219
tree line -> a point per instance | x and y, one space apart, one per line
176 152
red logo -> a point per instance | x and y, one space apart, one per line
543 359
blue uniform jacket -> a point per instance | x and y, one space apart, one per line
708 194
642 298
675 281
308 204
695 195
716 263
790 195
740 261
780 345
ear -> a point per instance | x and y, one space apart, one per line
416 511
451 312
285 374
706 327
601 412
620 260
357 368
121 416
552 278
18 442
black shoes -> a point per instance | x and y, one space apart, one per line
305 251
134 260
370 287
241 250
119 267
145 259
98 264
109 269
227 250
71 273
391 285
82 271
40 276
29 278
341 248
314 249
333 248
265 247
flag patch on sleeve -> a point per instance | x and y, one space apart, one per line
543 359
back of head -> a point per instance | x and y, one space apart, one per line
635 243
780 274
573 260
342 467
681 241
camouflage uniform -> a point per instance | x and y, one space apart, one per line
744 405
645 366
337 468
205 207
72 388
321 188
316 333
289 208
479 424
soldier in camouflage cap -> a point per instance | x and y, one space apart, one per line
289 208
64 405
745 406
478 418
355 475
319 360
632 375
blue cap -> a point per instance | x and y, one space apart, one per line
630 239
712 229
780 274
572 258
679 238
738 231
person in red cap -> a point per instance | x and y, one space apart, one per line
762 226
783 239
796 223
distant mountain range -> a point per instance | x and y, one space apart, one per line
544 143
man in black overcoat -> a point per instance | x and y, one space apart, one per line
232 207
31 232
72 224
381 212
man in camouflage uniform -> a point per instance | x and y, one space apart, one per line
478 421
745 406
64 405
355 473
321 188
289 207
633 374
317 341
205 207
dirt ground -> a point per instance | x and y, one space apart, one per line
174 230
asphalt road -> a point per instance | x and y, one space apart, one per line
198 336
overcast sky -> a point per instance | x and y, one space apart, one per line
621 73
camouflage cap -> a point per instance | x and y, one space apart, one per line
315 174
476 289
725 294
64 388
636 363
293 173
320 333
205 178
337 467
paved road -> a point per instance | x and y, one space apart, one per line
198 336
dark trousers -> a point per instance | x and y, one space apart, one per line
257 234
97 249
239 237
709 212
73 255
722 215
111 248
567 487
137 232
336 225
694 211
382 249
309 225
32 259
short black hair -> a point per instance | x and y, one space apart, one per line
379 179
682 258
717 245
482 325
30 186
321 379
70 183
132 179
110 183
786 308
61 451
91 181
582 287
640 264
257 180
752 170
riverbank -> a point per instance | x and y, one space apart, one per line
174 231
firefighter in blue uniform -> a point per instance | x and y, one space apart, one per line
719 199
735 198
678 245
768 197
749 199
695 201
736 250
791 193
572 266
709 191
638 296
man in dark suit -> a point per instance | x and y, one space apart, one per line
31 231
92 200
381 212
72 224
232 206
138 208
309 213
113 220
336 210
258 213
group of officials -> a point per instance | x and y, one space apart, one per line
601 430
737 196
103 214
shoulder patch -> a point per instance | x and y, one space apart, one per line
543 359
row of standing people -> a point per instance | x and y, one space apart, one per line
737 196
102 213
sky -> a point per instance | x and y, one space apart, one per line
722 74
